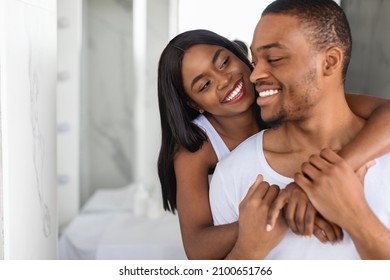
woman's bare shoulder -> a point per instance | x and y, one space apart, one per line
205 155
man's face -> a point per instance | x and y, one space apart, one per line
285 72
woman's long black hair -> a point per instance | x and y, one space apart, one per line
175 115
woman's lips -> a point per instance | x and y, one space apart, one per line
236 93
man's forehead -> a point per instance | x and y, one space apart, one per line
274 29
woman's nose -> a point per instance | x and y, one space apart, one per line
224 80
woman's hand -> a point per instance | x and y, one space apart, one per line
254 241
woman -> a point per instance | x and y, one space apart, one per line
207 108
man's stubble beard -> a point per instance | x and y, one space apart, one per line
304 103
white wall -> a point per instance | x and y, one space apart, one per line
28 55
230 18
68 108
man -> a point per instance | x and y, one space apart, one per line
301 50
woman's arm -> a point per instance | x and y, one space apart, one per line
374 139
328 176
201 239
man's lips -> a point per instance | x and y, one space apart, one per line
266 97
269 92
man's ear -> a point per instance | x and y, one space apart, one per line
333 61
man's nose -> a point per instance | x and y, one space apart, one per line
259 73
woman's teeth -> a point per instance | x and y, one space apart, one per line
235 92
268 92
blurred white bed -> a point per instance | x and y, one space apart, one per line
107 228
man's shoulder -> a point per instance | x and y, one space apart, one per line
379 173
248 148
383 162
250 142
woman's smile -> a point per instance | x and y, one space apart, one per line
236 93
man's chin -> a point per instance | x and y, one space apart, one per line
273 123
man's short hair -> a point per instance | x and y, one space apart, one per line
324 21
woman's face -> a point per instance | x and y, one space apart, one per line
216 80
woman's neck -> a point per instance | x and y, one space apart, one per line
235 129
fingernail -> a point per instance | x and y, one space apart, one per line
268 228
307 236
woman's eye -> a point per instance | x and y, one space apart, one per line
225 62
204 86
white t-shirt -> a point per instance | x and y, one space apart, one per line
237 172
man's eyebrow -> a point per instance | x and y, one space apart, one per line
270 46
215 58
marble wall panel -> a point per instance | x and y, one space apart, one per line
370 64
107 104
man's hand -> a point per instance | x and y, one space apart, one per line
333 187
301 216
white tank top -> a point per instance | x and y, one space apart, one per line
219 146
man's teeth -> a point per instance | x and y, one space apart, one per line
268 92
235 92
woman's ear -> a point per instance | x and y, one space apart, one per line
195 106
192 104
333 61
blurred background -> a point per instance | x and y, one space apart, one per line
80 129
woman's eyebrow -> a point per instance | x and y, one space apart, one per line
216 55
196 79
215 58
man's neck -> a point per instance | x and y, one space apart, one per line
326 126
